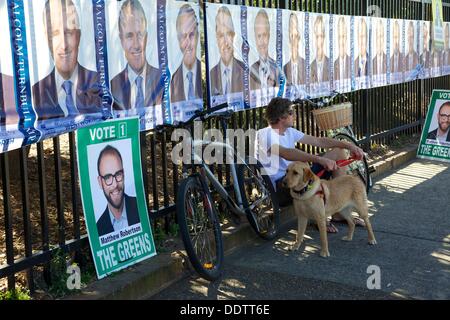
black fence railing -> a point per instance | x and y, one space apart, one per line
41 208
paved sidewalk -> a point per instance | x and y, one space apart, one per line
411 220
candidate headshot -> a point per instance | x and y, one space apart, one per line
186 82
227 76
139 84
361 62
294 69
342 64
121 210
442 133
379 62
264 73
8 113
320 65
397 57
69 89
412 58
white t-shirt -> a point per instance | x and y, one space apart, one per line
274 165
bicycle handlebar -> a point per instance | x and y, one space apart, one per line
198 114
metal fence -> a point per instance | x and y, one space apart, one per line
42 209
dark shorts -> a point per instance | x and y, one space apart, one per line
284 194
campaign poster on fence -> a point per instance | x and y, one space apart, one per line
136 77
435 140
379 52
112 191
425 49
319 54
341 53
412 59
446 52
225 61
294 54
361 61
184 51
66 84
264 71
397 49
438 24
10 137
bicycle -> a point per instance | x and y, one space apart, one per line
197 217
336 122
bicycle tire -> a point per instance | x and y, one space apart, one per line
264 223
359 166
198 221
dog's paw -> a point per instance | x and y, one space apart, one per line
346 238
324 254
295 246
373 242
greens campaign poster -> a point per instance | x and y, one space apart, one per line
435 140
112 191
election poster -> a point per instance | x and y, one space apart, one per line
361 63
65 82
136 81
294 54
319 54
396 51
264 73
438 24
112 191
10 136
412 58
379 52
435 140
425 49
184 52
225 62
341 53
446 52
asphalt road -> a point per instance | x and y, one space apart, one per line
410 210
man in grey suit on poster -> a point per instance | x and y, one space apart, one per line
70 89
362 61
320 70
139 85
186 82
379 62
294 69
412 58
228 75
8 113
264 73
425 57
397 59
342 64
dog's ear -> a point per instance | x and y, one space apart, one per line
307 174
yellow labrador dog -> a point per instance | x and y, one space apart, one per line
318 199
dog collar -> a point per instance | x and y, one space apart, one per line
321 193
305 189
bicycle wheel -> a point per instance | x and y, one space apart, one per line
200 228
259 197
357 167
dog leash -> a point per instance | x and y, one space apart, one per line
340 163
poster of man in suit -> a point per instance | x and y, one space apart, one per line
361 45
397 62
436 63
226 74
319 54
341 54
264 72
379 57
294 54
411 45
186 92
136 82
425 49
66 86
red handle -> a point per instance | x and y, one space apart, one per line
340 163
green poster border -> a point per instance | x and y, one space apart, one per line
83 141
431 107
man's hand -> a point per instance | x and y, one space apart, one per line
356 152
329 165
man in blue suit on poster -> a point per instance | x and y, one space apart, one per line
70 89
139 85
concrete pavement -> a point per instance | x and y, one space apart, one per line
410 209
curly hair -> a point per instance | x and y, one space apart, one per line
277 108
